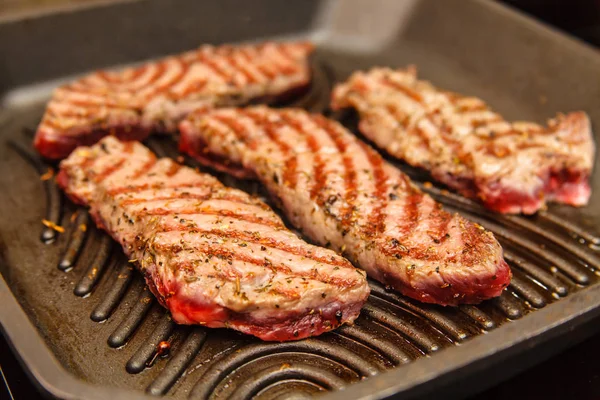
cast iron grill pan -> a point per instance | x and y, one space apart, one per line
104 326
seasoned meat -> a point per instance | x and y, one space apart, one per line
212 255
132 102
342 194
511 167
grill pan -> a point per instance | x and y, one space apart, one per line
84 325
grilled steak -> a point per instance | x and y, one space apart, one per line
133 102
342 194
511 167
212 255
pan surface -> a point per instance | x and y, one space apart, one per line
84 324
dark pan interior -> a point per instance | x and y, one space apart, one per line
91 307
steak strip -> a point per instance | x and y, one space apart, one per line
212 255
133 102
342 194
511 167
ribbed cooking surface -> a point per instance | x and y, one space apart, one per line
116 327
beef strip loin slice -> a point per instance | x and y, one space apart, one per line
212 255
512 167
132 102
342 194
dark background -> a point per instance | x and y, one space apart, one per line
580 18
573 374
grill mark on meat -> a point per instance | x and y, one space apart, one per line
107 78
118 80
514 132
110 170
436 232
214 211
183 70
424 251
225 254
350 183
261 240
87 164
318 172
268 70
84 89
185 196
408 92
429 116
445 133
194 87
250 78
227 196
289 176
79 113
284 51
158 73
236 128
230 63
453 97
291 162
477 123
411 218
128 148
173 169
290 68
215 67
97 103
423 136
320 177
280 68
397 115
96 106
404 121
146 167
439 230
249 56
129 85
376 219
146 186
52 116
223 50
